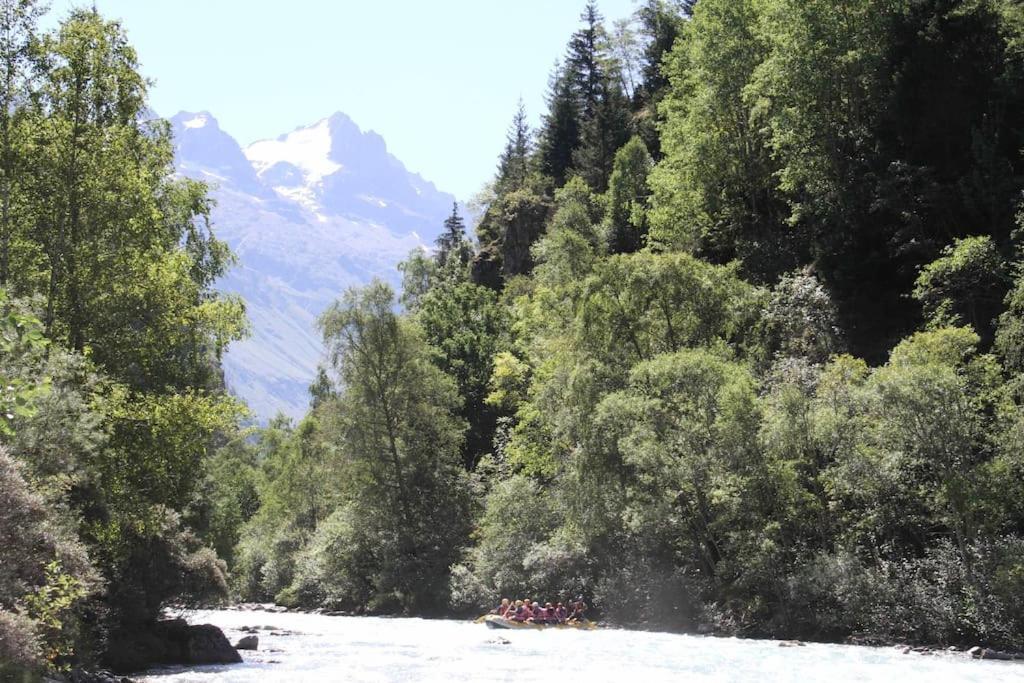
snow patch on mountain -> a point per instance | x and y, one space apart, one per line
309 214
197 121
308 149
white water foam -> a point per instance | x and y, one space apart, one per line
372 649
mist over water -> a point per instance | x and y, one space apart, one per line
321 648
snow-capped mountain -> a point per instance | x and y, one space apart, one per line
309 214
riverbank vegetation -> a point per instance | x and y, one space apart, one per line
111 394
738 346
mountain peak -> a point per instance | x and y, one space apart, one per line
206 151
309 214
340 117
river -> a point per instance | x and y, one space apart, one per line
311 647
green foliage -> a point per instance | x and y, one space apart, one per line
714 191
110 384
467 326
229 497
453 248
50 606
394 435
513 543
801 320
634 391
45 576
1009 341
626 220
566 253
966 286
21 341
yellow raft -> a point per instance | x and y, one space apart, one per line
494 621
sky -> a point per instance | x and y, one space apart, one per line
438 79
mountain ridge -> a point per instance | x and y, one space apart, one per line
310 213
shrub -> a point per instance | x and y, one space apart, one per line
333 569
643 590
20 649
44 576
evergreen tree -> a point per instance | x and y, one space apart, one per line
560 135
604 116
585 61
453 249
661 22
602 135
514 164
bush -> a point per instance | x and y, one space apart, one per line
332 570
469 593
44 576
160 561
642 590
266 558
20 649
514 550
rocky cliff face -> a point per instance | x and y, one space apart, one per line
309 214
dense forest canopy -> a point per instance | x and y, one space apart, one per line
737 345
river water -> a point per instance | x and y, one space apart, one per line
311 647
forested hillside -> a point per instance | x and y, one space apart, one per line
738 347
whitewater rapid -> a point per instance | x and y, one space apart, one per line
309 647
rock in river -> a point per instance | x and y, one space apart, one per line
172 641
247 643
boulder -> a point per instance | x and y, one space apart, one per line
169 642
247 643
207 644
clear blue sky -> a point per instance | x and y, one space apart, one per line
439 79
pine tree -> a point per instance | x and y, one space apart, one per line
603 134
603 108
661 22
584 63
514 164
453 249
561 133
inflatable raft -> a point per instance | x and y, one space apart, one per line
494 621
